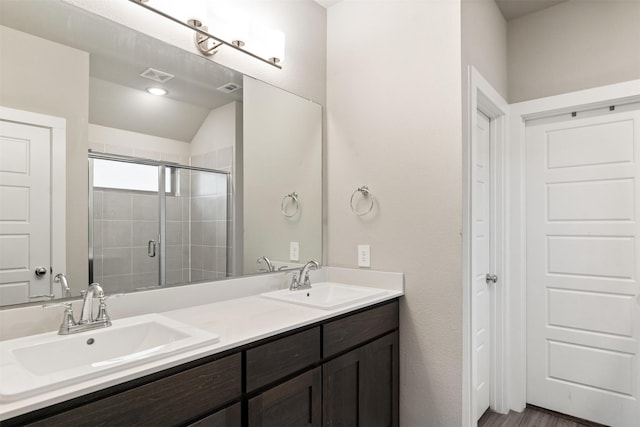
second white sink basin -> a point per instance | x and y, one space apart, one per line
326 295
31 365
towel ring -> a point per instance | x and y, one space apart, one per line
294 200
365 193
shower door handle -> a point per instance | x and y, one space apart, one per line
151 248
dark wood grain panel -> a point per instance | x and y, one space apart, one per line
227 417
295 403
379 382
167 402
351 331
272 361
361 388
341 390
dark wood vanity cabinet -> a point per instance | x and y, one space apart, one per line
340 372
230 416
173 400
294 403
360 388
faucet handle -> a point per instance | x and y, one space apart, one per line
102 312
293 284
68 320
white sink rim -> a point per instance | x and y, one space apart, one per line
18 382
297 297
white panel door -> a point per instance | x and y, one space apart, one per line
481 262
24 211
583 259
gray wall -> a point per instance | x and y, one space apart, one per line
484 44
572 46
282 154
394 120
55 81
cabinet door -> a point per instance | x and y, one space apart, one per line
341 389
227 417
360 388
295 403
379 382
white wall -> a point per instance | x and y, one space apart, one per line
217 131
104 139
44 77
484 43
572 46
394 124
282 154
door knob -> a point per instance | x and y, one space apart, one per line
491 278
41 271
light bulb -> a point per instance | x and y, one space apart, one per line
268 44
182 10
158 91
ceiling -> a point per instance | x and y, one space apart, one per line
117 56
510 9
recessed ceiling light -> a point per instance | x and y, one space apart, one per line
156 91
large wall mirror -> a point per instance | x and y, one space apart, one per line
220 177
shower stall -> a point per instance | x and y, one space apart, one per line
154 223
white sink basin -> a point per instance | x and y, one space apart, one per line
35 364
326 295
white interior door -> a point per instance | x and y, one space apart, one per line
481 262
583 259
25 207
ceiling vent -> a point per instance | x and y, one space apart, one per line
229 87
156 75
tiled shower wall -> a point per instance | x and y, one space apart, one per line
210 245
116 250
124 222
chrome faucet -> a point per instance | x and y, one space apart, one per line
270 266
87 321
302 281
64 285
95 291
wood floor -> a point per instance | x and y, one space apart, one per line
532 417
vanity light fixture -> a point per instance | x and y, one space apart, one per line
264 45
158 91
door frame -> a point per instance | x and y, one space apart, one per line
483 97
599 97
58 146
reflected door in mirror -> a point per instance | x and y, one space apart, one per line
25 206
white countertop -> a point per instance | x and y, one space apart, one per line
237 321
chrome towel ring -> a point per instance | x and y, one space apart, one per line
366 193
294 201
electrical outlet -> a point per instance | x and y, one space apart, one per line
364 256
294 251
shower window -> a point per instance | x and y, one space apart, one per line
153 224
131 176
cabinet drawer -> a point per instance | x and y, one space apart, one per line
169 401
272 361
351 331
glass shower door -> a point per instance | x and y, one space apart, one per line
154 224
125 245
